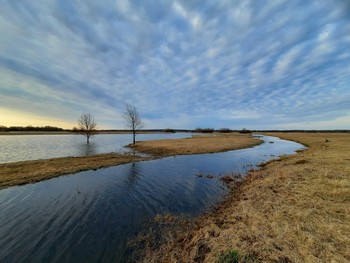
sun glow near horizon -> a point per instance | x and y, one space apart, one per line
10 117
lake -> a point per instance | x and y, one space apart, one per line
14 148
89 216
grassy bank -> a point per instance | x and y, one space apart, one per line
33 171
296 209
197 144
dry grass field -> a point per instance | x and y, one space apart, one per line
296 209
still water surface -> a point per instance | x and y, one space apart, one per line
14 148
89 216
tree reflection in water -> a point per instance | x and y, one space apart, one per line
133 175
87 149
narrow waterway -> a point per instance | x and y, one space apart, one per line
89 216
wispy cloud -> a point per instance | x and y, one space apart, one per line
253 64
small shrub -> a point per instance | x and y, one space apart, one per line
204 130
225 130
244 130
168 130
230 257
233 256
75 129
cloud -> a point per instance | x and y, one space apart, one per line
181 63
335 123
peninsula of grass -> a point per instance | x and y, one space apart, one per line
295 209
25 172
218 142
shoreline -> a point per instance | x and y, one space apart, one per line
24 172
202 144
286 211
76 133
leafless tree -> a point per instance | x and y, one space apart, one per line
87 126
133 120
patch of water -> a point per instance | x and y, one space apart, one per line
14 148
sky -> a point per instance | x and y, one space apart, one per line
254 64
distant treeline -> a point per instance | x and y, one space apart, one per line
30 128
308 131
225 130
167 130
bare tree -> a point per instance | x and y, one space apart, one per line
133 120
87 126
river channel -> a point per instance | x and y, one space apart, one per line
89 216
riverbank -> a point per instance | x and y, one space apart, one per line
19 173
295 209
26 172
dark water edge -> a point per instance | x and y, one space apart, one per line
89 216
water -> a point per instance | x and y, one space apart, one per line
14 148
89 216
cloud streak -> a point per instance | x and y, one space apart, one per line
184 64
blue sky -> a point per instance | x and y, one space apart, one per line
254 64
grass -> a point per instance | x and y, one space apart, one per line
34 171
296 209
197 144
231 256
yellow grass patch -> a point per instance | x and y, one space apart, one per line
197 144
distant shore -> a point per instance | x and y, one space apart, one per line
160 131
73 133
24 172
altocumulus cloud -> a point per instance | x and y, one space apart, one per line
184 64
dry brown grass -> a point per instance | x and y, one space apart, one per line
293 210
198 144
33 171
